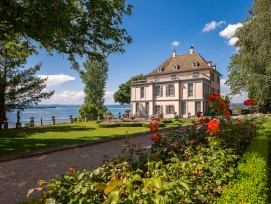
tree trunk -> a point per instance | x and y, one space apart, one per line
2 97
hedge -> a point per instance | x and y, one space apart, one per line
167 121
147 125
108 125
130 124
250 183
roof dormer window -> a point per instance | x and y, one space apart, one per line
195 64
160 69
176 67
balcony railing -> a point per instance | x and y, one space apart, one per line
194 76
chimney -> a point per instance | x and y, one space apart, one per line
214 66
209 63
174 53
192 49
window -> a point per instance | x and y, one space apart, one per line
197 106
218 79
195 75
183 107
142 90
170 90
205 90
176 67
170 109
147 108
137 107
160 69
158 91
173 76
190 89
212 76
195 64
212 90
158 109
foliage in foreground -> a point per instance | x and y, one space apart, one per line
188 165
250 183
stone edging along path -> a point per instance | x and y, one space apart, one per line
71 146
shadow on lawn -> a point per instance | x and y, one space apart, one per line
9 146
25 132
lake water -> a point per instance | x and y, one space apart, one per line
61 113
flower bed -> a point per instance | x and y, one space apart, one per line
191 164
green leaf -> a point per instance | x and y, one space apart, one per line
113 197
100 186
185 185
111 185
157 183
129 188
84 190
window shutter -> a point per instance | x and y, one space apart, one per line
167 109
173 109
161 109
167 87
173 90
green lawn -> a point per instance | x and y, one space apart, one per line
29 139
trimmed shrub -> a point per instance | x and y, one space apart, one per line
98 121
250 183
147 125
130 124
109 125
167 121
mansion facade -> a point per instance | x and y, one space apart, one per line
179 86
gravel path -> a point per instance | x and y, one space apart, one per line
17 176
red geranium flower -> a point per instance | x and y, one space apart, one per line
192 141
198 114
247 103
157 119
156 138
227 113
253 101
139 143
213 126
72 169
238 122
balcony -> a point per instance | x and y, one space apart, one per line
176 78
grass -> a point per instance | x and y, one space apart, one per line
28 139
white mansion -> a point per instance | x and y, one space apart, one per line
179 86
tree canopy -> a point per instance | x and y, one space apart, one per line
94 77
123 95
250 67
72 27
19 87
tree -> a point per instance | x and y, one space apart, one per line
123 95
72 27
250 68
19 87
94 77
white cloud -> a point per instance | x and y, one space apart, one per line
229 33
109 99
175 43
57 79
75 97
234 99
212 25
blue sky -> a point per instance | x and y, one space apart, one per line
157 27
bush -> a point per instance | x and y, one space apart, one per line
167 121
98 121
112 125
250 183
147 125
130 124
